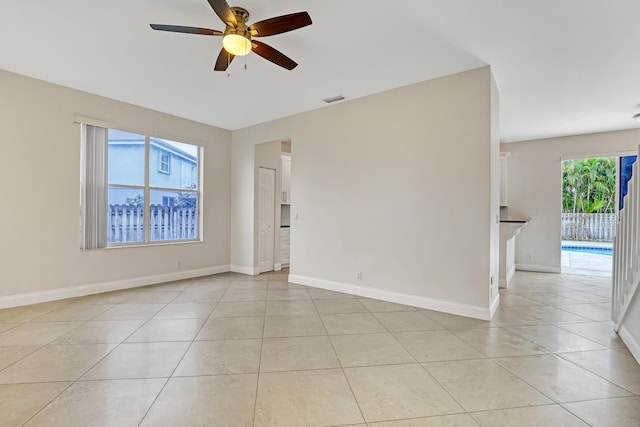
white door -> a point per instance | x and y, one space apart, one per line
266 219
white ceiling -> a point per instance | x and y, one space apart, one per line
562 67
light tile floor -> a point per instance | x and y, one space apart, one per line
232 350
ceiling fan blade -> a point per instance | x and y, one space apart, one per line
223 61
188 30
280 24
270 54
222 9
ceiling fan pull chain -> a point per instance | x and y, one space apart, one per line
228 62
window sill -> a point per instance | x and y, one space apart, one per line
147 245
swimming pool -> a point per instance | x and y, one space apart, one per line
588 249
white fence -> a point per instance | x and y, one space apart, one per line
125 223
590 227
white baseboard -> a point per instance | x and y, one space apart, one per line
476 312
251 271
96 288
277 266
504 283
632 344
494 305
510 274
539 268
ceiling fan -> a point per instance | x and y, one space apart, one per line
237 38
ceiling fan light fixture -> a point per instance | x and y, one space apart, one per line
237 36
236 44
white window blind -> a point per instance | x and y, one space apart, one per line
94 181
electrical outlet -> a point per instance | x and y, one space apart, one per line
359 275
179 264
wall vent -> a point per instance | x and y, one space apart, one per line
334 99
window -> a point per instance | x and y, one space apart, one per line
143 204
126 187
165 162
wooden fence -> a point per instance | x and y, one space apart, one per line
125 223
589 227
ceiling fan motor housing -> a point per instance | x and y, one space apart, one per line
241 29
237 38
241 14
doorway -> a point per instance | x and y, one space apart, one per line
272 195
589 212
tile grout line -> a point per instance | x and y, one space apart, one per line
264 321
73 382
344 374
179 361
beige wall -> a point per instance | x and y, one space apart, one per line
535 179
40 179
396 185
400 186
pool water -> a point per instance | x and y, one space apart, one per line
588 250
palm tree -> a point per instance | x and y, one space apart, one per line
569 186
589 185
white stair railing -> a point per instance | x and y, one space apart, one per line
626 257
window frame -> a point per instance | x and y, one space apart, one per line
147 188
161 162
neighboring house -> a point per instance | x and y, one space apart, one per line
170 167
